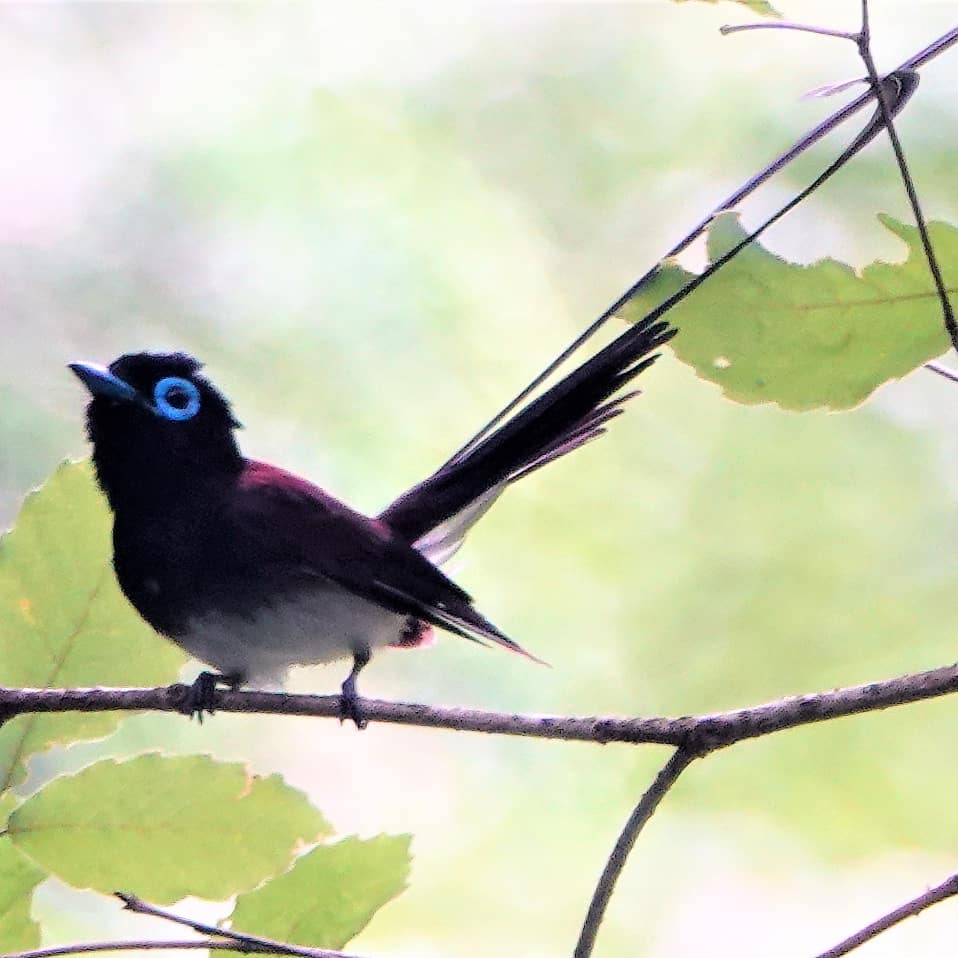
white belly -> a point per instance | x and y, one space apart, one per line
319 626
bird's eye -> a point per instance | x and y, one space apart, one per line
176 398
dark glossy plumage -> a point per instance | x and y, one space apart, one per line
253 569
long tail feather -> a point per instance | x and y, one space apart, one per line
573 412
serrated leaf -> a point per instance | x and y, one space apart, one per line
18 878
166 828
330 894
806 337
63 619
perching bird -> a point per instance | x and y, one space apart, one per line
252 569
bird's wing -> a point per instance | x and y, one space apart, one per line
296 525
436 513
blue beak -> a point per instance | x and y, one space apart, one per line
101 382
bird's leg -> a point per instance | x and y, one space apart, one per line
349 707
201 695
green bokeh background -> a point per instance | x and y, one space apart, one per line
375 226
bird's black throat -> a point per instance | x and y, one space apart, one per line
165 481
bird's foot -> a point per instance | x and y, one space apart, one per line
350 704
200 697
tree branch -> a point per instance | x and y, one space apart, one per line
678 763
698 734
947 889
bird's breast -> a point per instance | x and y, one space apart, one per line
315 626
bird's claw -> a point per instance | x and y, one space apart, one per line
350 706
201 696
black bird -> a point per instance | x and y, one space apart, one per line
252 569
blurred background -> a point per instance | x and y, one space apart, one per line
375 225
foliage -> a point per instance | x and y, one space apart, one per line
18 879
65 621
169 827
330 894
806 337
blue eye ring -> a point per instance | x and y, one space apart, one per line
176 398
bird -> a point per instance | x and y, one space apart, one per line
253 569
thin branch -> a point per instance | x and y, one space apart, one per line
700 734
942 371
83 948
678 763
787 25
864 51
238 941
947 889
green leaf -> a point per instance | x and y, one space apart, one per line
8 803
166 828
806 337
761 7
329 895
63 619
18 878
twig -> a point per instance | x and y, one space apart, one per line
864 51
239 941
703 733
787 25
942 371
947 889
83 948
678 763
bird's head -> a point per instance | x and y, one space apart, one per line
157 425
